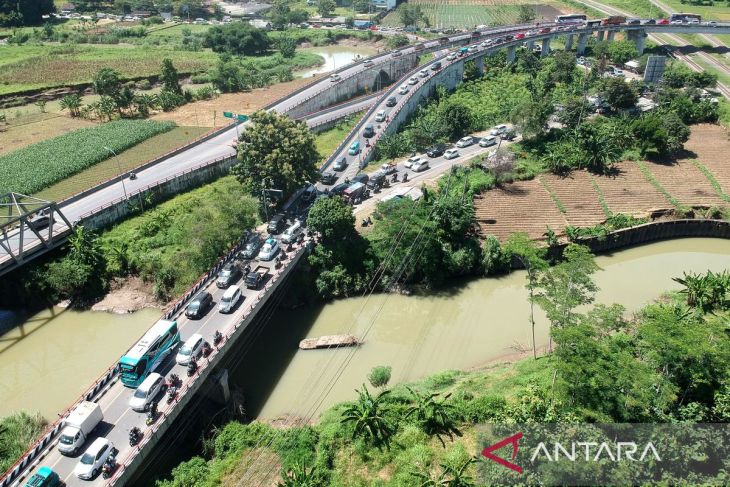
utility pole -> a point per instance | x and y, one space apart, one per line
119 167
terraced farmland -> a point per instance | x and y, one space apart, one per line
467 14
530 206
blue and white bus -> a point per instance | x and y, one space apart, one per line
570 19
148 352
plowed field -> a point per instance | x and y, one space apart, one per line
527 206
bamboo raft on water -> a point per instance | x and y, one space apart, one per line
329 341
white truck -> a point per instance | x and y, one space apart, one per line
78 426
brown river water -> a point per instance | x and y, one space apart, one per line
55 355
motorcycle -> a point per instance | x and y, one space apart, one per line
192 367
111 463
132 176
151 414
171 394
134 436
206 349
394 179
175 380
217 337
405 178
247 269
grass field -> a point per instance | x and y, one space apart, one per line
719 11
470 13
31 67
129 159
32 128
640 8
328 140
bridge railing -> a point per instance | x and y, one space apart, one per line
188 382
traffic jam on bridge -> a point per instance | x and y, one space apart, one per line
103 432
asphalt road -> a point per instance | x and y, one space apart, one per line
119 418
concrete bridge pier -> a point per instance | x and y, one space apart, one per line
511 54
569 42
600 34
480 64
582 40
611 34
545 47
638 37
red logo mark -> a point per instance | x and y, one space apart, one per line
514 440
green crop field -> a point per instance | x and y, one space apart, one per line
40 165
30 66
719 11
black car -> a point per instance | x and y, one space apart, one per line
509 37
310 194
376 180
436 151
340 164
339 189
368 131
251 249
199 305
276 224
436 66
227 276
41 220
360 178
328 178
391 102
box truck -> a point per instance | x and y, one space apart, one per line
78 427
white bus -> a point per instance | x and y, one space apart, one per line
570 19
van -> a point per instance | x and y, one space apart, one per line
192 348
276 223
354 148
230 299
78 427
368 131
146 392
293 232
200 303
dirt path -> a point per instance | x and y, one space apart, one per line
579 199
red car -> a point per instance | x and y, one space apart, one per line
520 36
545 30
663 21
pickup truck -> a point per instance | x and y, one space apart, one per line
256 277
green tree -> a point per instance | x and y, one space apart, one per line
521 247
618 93
361 6
332 218
494 260
366 415
564 70
275 152
562 156
143 103
411 15
379 376
567 285
456 118
526 14
287 46
237 38
600 150
532 117
15 13
651 137
169 77
575 110
107 106
72 103
396 41
622 51
325 7
107 81
435 417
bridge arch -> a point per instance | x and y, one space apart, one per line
382 79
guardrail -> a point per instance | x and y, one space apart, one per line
210 361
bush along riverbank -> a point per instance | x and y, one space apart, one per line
670 363
17 433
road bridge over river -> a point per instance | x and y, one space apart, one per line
114 398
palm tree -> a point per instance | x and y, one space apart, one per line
300 476
435 417
72 103
367 415
144 103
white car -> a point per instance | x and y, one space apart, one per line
93 459
487 141
451 56
335 78
388 168
193 347
146 392
411 161
413 80
269 249
380 116
421 165
451 154
498 130
472 49
424 73
465 141
403 89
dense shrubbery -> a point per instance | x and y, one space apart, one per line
238 38
39 165
17 433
